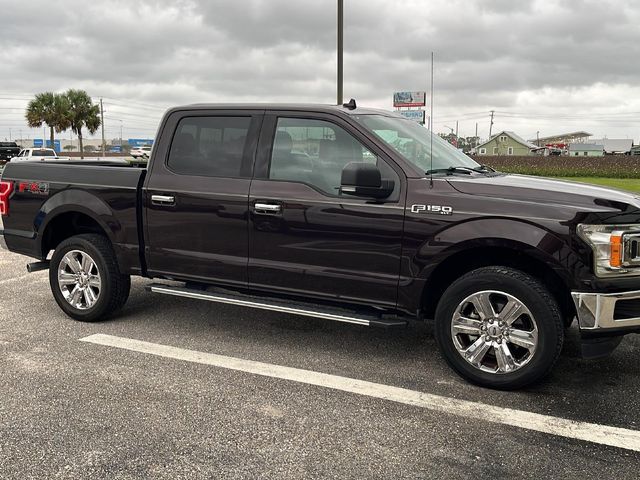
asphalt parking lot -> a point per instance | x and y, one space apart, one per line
220 406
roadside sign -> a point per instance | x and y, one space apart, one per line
415 115
409 99
139 142
38 143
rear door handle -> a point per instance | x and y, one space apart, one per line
163 199
267 208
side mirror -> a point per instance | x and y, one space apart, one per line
364 180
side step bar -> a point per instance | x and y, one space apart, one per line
277 305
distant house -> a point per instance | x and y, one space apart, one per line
585 150
614 145
505 143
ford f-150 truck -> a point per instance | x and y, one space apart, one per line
340 213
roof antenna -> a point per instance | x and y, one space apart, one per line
351 105
431 128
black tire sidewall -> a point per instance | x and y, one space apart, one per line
545 314
106 289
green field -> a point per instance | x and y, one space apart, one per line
631 184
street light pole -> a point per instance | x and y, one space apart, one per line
340 44
102 125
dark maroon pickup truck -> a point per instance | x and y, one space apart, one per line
341 213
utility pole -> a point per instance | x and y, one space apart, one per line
121 134
102 125
456 128
491 124
9 133
538 138
475 140
340 44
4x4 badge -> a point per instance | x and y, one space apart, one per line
436 209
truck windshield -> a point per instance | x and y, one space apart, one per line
413 142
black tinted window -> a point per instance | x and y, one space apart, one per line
42 153
210 146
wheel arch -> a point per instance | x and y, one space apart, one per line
508 253
74 212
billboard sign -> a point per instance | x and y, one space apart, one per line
409 99
139 142
415 115
38 143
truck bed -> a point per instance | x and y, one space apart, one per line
44 191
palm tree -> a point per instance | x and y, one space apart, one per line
82 113
50 108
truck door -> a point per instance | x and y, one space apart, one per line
305 237
196 196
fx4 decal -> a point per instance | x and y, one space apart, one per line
436 209
37 188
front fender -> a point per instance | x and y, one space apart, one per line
521 235
552 247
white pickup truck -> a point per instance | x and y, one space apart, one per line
35 154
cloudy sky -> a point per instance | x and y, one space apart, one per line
547 66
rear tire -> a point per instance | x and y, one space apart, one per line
85 279
499 328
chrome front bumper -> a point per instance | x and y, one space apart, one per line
597 311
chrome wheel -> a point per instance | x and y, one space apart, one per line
79 280
494 331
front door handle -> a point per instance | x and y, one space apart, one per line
163 199
267 208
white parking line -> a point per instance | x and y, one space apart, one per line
589 432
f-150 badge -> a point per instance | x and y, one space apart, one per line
436 209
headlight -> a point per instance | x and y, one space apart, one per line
615 248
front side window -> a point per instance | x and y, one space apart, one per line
209 146
314 152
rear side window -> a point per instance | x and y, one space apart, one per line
209 146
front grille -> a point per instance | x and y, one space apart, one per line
631 250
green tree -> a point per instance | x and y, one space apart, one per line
49 108
82 114
69 148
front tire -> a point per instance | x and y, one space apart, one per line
499 328
85 279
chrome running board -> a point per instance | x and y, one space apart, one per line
277 305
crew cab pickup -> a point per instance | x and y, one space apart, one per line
340 213
39 154
8 150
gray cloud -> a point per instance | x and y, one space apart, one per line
548 65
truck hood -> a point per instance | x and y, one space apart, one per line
540 190
524 187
